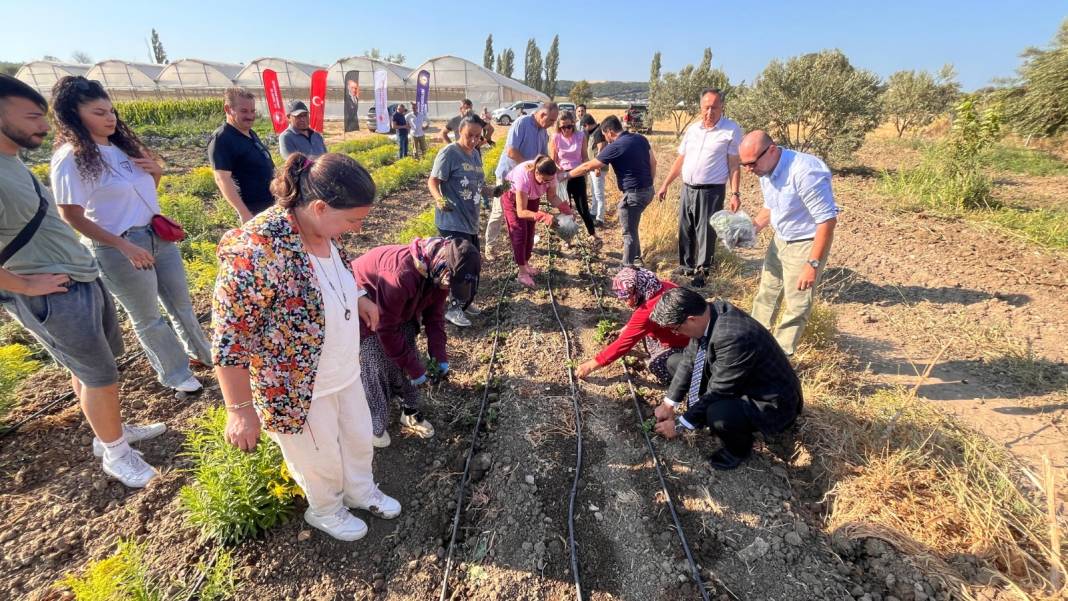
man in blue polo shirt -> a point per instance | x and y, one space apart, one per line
799 205
299 136
631 157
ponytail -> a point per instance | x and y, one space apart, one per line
336 179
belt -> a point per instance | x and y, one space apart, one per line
704 186
799 240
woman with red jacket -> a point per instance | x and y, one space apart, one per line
641 290
410 284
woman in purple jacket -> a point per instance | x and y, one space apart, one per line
410 283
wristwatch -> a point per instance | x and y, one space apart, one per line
814 263
736 193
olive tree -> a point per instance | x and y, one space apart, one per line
677 96
1038 104
913 99
815 103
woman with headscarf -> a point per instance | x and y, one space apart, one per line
410 284
641 290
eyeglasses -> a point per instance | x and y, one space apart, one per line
567 127
758 157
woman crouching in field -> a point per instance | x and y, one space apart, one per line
529 180
286 317
641 290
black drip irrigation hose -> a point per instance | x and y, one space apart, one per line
460 489
695 573
580 595
121 364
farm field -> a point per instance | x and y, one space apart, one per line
923 316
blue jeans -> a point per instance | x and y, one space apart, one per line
140 292
402 141
630 216
597 184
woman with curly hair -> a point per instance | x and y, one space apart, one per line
641 290
104 180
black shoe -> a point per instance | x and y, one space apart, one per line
698 280
723 459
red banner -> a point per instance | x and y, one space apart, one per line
273 93
318 100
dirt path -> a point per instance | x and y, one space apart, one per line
990 312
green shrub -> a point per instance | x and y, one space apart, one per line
234 494
16 362
201 219
361 144
43 171
125 576
201 265
198 182
162 112
390 178
420 226
375 157
490 158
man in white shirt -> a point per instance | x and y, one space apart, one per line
417 121
707 161
799 205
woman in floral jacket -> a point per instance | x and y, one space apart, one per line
286 321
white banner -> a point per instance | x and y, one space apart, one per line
381 113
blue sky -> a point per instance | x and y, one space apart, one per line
600 40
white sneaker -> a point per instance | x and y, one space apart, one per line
132 434
131 469
342 525
456 317
380 442
190 386
378 503
418 425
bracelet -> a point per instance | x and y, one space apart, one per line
238 406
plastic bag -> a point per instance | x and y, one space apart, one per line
736 230
561 189
566 226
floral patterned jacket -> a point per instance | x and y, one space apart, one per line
267 316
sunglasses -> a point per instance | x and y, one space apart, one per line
568 127
758 157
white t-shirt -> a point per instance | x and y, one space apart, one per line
416 122
339 361
111 201
706 151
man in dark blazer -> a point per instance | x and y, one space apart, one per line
743 382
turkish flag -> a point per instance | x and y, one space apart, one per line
273 93
318 100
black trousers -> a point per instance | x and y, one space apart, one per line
697 238
576 189
727 418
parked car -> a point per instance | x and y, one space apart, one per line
636 119
371 114
566 106
506 115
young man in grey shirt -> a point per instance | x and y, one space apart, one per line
52 287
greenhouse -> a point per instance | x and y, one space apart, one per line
126 80
42 75
453 79
194 77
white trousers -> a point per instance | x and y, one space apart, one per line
331 458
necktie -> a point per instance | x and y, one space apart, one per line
698 372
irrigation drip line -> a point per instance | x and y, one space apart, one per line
580 595
121 364
695 573
460 489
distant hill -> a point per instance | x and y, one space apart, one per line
616 90
11 68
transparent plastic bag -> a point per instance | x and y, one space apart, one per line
736 230
566 226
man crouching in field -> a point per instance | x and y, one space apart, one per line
734 377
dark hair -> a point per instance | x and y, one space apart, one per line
611 124
715 91
467 102
580 106
68 94
472 119
543 165
16 88
336 179
676 305
588 119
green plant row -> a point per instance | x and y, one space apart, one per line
390 178
16 363
376 157
361 144
125 575
234 495
163 112
489 162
